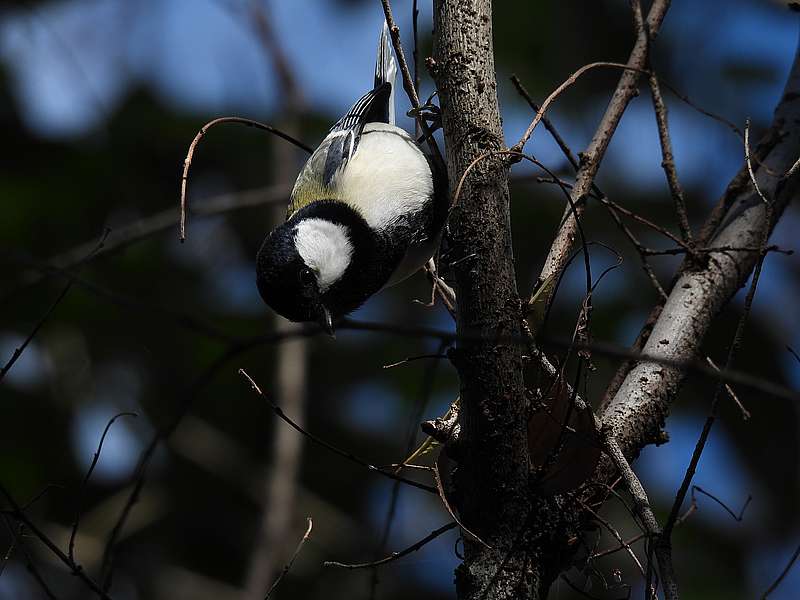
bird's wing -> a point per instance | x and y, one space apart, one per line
386 70
344 136
310 185
317 180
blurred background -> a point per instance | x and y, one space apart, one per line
99 100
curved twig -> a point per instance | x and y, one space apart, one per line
187 162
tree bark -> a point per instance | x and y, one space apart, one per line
526 536
639 409
492 479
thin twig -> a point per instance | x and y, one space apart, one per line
343 453
747 160
565 149
606 349
793 169
414 358
179 318
783 574
617 536
601 553
648 269
641 506
394 555
14 540
793 353
33 569
21 348
291 560
186 402
18 351
591 158
443 496
644 221
426 391
81 493
75 568
667 158
557 92
415 58
745 413
732 352
394 31
408 82
736 517
200 134
141 229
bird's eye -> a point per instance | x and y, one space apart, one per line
307 277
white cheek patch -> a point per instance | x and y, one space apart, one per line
325 248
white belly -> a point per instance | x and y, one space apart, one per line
387 177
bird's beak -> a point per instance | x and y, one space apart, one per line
326 321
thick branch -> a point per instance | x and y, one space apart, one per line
627 89
637 412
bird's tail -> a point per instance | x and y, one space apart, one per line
386 67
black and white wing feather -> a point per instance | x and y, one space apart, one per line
376 106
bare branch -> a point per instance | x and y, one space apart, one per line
409 359
76 569
627 88
783 574
288 566
668 160
638 409
187 163
394 555
446 503
641 506
611 350
90 470
186 402
736 517
394 31
408 82
146 227
18 351
734 348
343 453
745 413
623 544
21 348
557 92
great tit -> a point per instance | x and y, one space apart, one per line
366 212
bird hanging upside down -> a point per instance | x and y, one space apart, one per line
366 212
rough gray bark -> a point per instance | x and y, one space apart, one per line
528 535
637 412
492 482
635 415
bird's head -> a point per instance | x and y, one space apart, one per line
307 267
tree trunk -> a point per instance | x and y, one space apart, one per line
493 474
527 537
